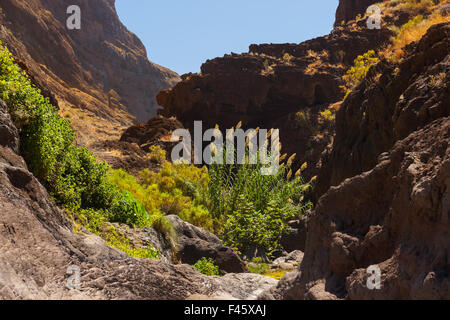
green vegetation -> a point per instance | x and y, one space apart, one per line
248 227
175 189
255 208
326 116
277 274
156 154
259 267
359 70
207 266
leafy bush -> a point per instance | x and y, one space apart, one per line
207 266
326 116
230 184
130 212
360 68
175 189
156 154
255 208
248 227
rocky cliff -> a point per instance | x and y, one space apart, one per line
349 9
395 215
99 75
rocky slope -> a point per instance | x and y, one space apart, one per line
99 75
349 9
379 113
396 214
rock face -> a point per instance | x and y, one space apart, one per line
295 237
38 250
99 75
396 214
152 132
193 243
379 113
243 286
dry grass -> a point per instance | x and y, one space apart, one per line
411 32
415 32
319 61
437 81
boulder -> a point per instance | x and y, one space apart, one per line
289 261
193 243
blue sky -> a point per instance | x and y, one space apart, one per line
182 34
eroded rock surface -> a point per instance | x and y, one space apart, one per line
376 114
193 243
395 215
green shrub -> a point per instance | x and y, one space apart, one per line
248 227
207 266
254 207
175 189
127 210
156 154
360 68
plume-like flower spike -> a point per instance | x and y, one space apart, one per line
291 159
289 175
304 167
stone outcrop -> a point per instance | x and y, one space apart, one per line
100 75
399 223
378 113
193 244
